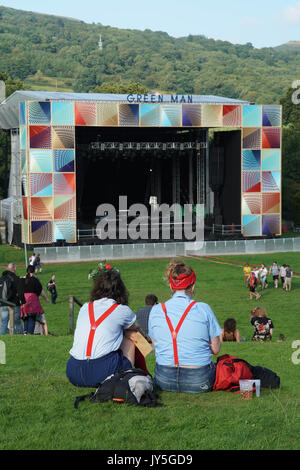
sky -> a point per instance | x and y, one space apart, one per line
264 23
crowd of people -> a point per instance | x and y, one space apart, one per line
184 334
24 293
255 277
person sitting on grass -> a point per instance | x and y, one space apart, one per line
230 331
184 334
104 340
263 326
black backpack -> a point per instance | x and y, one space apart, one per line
268 378
117 388
6 287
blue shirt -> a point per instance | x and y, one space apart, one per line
193 339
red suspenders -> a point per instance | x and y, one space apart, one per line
95 324
174 333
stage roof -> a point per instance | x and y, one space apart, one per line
9 108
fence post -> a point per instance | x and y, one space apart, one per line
71 314
11 321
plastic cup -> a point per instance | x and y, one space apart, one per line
246 387
257 387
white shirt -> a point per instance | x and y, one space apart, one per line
263 272
109 334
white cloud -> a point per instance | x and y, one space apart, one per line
292 14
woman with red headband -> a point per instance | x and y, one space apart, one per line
185 334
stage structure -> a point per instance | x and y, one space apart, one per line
72 152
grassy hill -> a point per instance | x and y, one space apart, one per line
36 406
65 54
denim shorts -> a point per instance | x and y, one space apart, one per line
90 373
185 379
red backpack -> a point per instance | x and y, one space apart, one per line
229 371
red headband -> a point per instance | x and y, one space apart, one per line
183 281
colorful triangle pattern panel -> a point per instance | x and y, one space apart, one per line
271 138
65 230
22 113
150 115
251 225
251 181
25 207
40 161
63 137
271 116
64 207
64 184
40 184
252 138
251 160
271 181
129 115
62 113
40 137
191 115
41 231
252 116
251 204
271 224
23 137
232 116
271 203
271 159
39 112
85 114
107 114
41 208
212 115
171 115
64 160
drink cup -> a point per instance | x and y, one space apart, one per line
246 387
257 387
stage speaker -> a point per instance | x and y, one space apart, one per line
216 168
60 242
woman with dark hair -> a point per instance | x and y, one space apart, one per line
230 331
30 291
104 335
184 334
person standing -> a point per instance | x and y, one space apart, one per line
185 334
282 274
246 271
51 287
142 315
32 310
288 278
274 270
253 284
12 283
38 265
263 273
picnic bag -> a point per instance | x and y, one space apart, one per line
131 386
229 371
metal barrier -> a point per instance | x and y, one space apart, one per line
62 254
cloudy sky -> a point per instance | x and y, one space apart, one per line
264 23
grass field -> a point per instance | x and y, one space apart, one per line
36 406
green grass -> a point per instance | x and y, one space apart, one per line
36 406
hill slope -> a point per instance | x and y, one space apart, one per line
62 53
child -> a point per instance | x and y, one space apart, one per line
252 285
288 278
246 271
263 326
229 331
263 272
